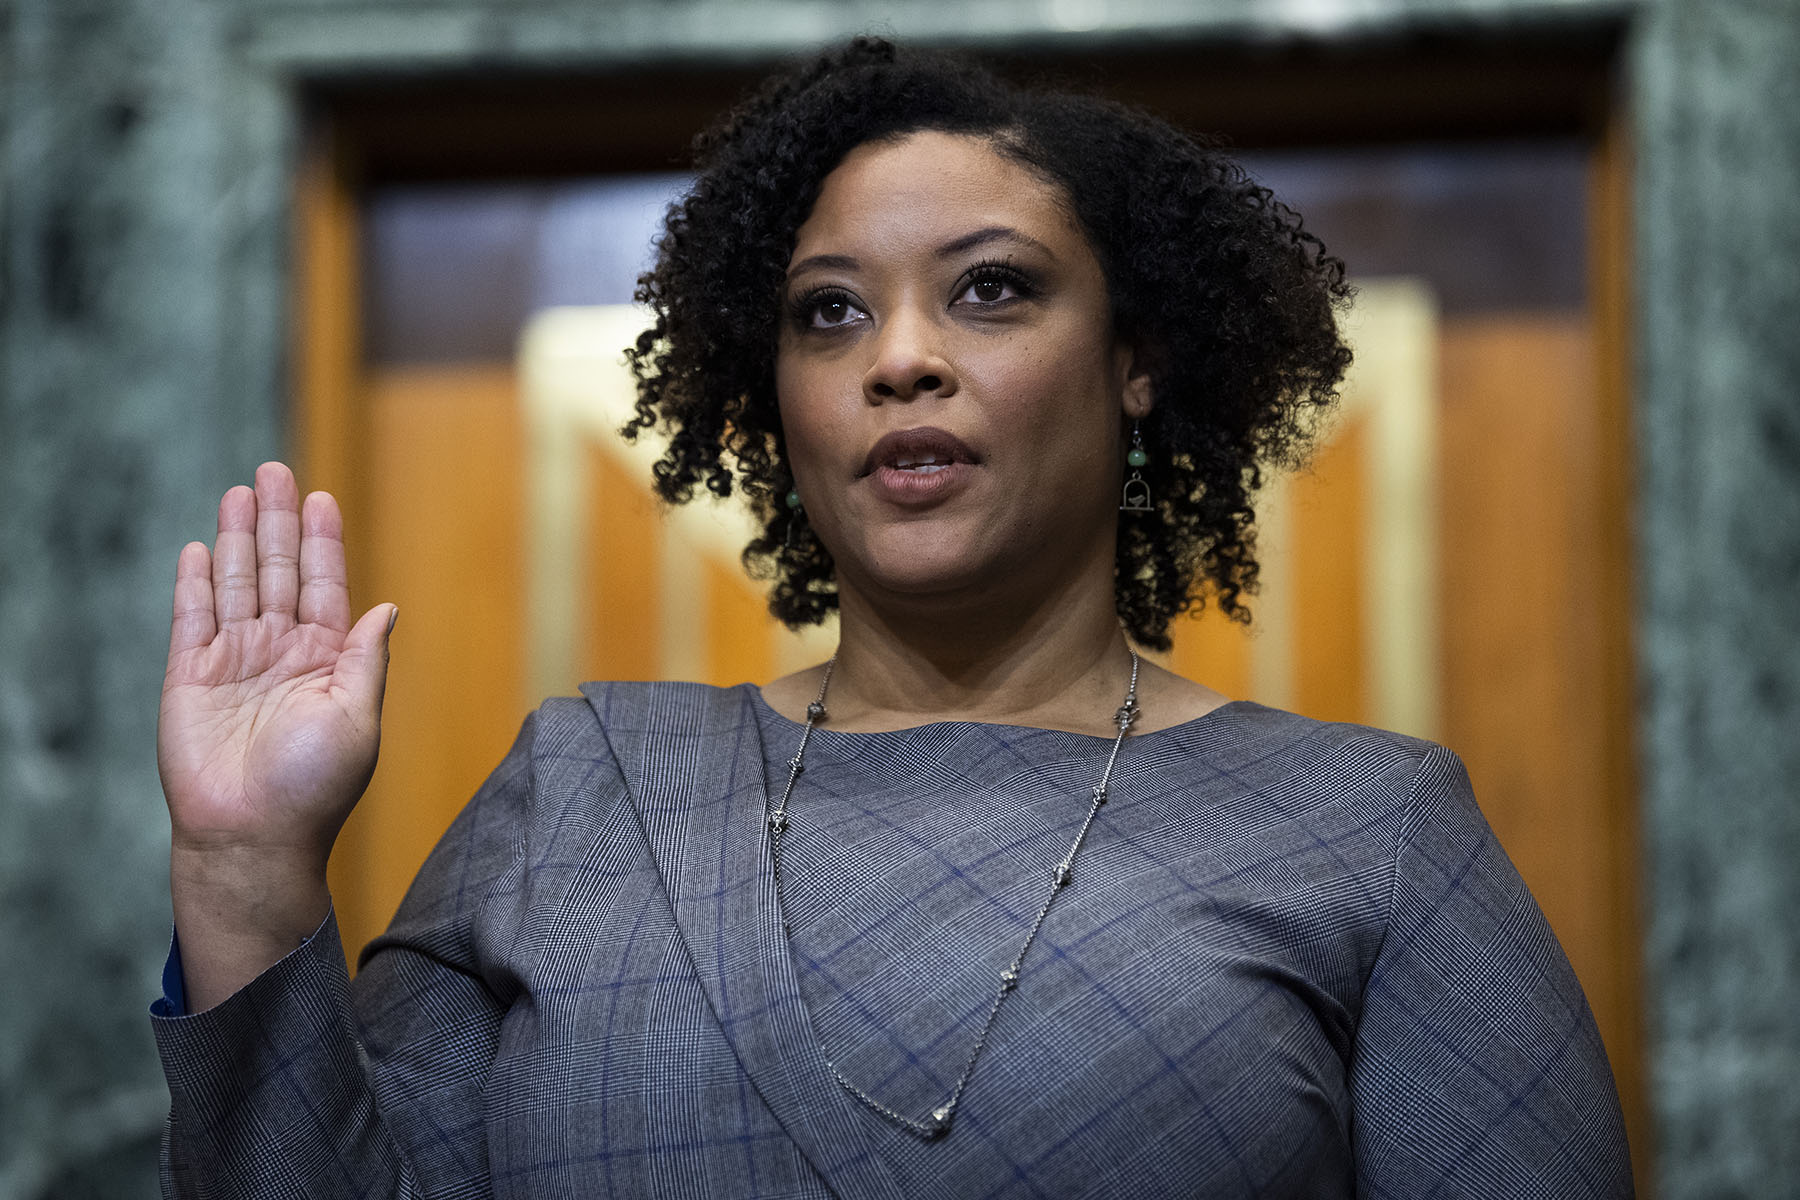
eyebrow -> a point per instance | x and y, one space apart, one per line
823 262
961 245
992 233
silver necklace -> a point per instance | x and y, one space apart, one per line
937 1122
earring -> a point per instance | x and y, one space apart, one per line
1135 498
796 514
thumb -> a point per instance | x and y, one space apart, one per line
363 662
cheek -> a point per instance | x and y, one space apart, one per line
1059 394
810 428
797 402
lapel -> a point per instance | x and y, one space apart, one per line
692 759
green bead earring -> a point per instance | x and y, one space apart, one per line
796 514
1136 496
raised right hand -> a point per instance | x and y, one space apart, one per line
271 711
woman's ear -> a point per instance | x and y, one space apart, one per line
1135 393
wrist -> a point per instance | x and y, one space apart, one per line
238 913
248 894
225 856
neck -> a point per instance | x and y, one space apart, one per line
1059 661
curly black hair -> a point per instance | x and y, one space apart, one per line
1214 283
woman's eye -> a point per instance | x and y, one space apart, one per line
831 312
991 289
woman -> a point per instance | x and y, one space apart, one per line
983 906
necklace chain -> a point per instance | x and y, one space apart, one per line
937 1122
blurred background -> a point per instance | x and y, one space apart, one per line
1556 524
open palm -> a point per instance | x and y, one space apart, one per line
271 706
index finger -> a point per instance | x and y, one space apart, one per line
324 579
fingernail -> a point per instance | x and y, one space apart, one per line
393 616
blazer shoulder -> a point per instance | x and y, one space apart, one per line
1273 726
631 704
1274 749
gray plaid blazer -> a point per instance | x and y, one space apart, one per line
1315 974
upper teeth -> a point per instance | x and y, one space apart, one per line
917 460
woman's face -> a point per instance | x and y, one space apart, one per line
951 389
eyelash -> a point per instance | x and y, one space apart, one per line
1000 270
803 307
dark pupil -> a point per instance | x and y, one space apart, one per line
834 311
988 289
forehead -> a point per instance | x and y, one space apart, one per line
925 188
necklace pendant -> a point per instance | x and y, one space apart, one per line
940 1120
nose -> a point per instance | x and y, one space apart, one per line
910 360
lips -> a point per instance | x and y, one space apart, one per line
925 451
918 468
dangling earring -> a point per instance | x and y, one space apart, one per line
1136 496
796 514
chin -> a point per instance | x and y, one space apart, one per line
938 569
922 580
920 568
957 558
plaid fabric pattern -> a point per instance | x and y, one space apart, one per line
1293 962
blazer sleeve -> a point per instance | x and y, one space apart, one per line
1477 1069
306 1084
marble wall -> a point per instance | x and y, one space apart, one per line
138 377
1718 87
144 150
